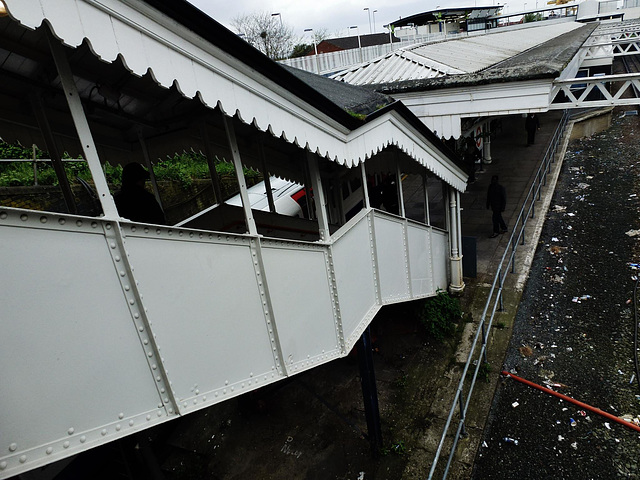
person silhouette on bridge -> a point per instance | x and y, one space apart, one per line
134 201
497 201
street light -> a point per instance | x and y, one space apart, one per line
374 20
359 43
369 13
315 47
277 15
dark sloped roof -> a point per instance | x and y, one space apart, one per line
544 61
351 98
365 101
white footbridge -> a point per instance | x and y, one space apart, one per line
111 326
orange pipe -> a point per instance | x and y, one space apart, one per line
575 402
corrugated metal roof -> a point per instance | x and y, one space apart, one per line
452 57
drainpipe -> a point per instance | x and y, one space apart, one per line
455 241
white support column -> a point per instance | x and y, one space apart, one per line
365 186
237 163
318 196
267 178
456 284
486 143
82 126
399 187
208 151
426 198
152 174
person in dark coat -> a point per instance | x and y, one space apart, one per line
134 201
497 201
531 125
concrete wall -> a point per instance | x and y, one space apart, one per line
591 125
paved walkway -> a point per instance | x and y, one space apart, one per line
515 163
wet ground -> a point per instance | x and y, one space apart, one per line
574 328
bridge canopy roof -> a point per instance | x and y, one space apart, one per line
140 64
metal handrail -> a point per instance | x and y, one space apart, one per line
495 300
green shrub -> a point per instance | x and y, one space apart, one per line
439 315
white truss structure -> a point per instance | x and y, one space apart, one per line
604 91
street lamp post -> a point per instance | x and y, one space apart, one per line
277 15
374 20
315 47
359 43
369 13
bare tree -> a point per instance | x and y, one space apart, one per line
266 33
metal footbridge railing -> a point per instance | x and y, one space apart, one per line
478 353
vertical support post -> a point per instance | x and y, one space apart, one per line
267 178
369 391
237 163
426 198
456 284
35 165
56 159
486 143
401 211
318 196
82 126
365 186
208 151
152 174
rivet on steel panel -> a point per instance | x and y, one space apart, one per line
3 465
49 450
23 458
13 447
70 431
66 444
83 439
149 416
131 423
24 217
103 432
118 427
3 215
43 219
108 226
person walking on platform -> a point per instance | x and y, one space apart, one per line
497 201
531 125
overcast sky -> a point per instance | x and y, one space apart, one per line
336 16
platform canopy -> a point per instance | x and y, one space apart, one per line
138 65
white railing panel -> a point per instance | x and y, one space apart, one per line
205 309
74 374
419 239
440 259
391 256
301 298
355 278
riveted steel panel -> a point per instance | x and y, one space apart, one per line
203 304
355 276
440 255
298 281
420 260
392 266
74 373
